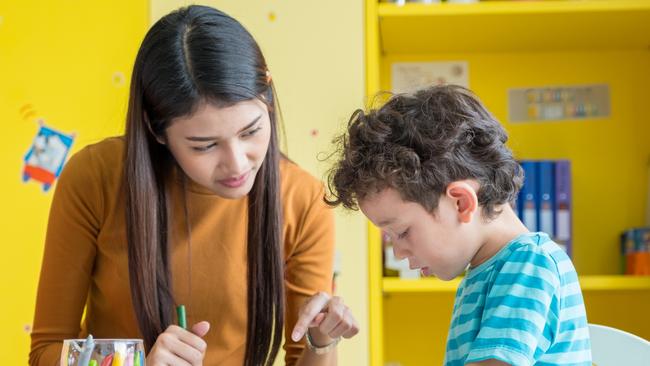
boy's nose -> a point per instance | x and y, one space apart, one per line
399 252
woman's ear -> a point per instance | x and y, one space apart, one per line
161 139
464 196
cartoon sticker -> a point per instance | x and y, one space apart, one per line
46 157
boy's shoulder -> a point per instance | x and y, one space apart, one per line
532 259
538 247
535 260
540 250
530 285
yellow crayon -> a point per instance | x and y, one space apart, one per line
118 359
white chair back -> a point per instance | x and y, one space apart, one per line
614 347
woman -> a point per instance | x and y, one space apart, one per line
196 206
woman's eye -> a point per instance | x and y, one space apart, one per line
403 235
204 148
251 133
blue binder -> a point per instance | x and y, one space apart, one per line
563 206
528 195
546 198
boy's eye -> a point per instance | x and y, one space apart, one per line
403 235
204 148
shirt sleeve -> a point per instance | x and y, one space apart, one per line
521 313
70 247
309 269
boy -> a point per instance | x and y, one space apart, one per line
432 170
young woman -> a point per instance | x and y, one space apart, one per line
195 205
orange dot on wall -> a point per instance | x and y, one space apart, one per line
272 16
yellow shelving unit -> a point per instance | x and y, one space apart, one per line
491 26
396 285
522 44
588 283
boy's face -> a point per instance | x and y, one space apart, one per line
440 243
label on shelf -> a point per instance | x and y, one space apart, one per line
410 76
578 102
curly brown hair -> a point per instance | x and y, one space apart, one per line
420 143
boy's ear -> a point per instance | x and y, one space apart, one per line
464 196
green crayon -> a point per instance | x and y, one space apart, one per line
182 320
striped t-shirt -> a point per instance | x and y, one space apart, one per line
523 306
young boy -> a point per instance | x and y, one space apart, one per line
432 170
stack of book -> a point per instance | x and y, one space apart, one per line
635 251
544 202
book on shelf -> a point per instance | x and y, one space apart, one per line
635 251
544 202
528 195
562 208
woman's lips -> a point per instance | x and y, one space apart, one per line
236 181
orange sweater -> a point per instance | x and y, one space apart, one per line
85 260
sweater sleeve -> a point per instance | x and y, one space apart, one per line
309 268
69 254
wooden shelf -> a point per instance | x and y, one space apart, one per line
588 283
396 285
505 26
611 283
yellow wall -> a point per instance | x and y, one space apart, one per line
67 62
315 52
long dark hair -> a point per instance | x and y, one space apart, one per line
191 56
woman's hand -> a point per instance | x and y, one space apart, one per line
326 318
177 346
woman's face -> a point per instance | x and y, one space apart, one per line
222 148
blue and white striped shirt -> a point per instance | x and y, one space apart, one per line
523 306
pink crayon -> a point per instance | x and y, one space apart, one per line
129 359
108 360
